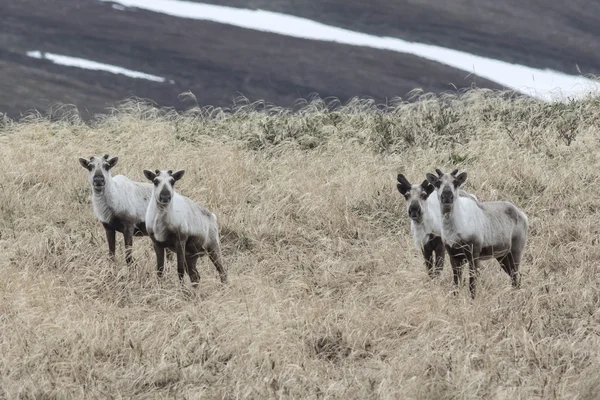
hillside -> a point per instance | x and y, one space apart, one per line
327 297
216 62
541 34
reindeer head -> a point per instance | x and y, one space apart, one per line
416 197
164 183
447 186
98 171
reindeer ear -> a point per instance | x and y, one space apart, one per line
177 175
460 179
149 175
112 162
440 173
84 163
427 187
434 180
403 185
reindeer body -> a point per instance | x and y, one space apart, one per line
123 204
430 225
182 226
118 202
474 231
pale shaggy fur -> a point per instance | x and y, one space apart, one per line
123 198
177 223
426 221
431 224
119 203
474 231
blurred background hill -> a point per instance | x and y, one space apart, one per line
219 62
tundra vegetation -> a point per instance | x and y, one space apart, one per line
327 297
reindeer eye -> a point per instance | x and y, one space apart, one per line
407 196
424 196
172 181
155 181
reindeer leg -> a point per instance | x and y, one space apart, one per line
440 253
128 239
160 259
456 260
427 251
513 260
192 271
456 272
214 252
181 258
504 263
473 257
111 239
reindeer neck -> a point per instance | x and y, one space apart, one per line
107 194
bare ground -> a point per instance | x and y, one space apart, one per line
558 35
216 62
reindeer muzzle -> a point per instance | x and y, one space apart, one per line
447 198
98 183
414 212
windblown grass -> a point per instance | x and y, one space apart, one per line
327 296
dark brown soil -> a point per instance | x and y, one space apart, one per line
216 62
540 33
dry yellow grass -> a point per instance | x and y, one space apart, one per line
327 297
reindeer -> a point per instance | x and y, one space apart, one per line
426 221
119 203
177 223
474 231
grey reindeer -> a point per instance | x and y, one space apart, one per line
119 203
177 223
474 231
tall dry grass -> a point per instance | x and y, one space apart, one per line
327 296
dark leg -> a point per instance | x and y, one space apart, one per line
181 259
440 253
192 271
504 263
473 270
512 268
128 238
455 263
428 256
457 258
111 239
215 256
160 259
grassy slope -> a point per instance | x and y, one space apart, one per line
542 34
328 298
216 62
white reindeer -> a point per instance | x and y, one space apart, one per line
177 223
474 231
426 221
119 203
